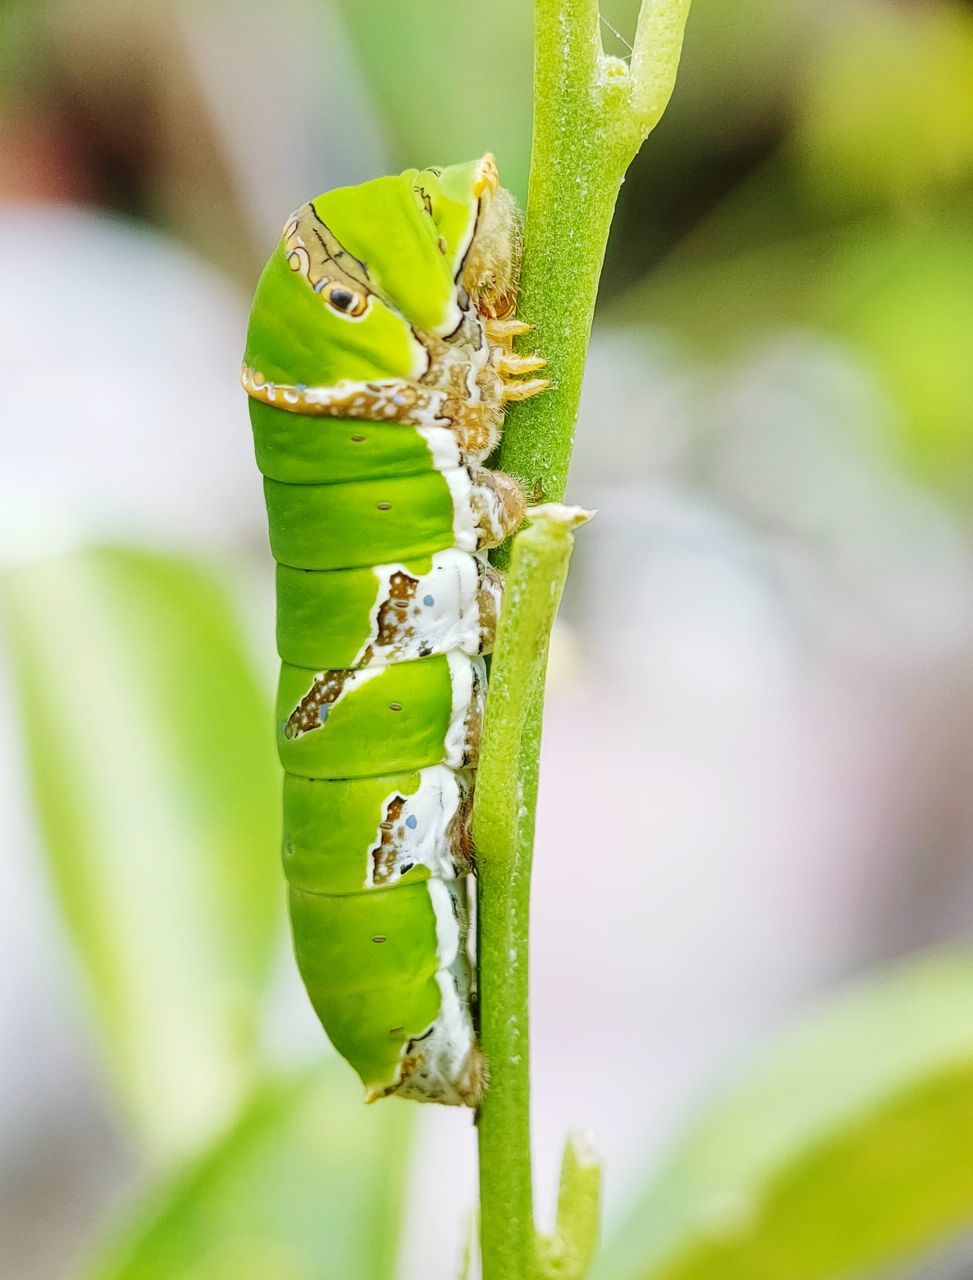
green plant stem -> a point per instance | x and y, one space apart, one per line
591 114
535 580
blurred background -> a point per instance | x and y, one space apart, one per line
756 776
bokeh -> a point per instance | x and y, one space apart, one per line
756 760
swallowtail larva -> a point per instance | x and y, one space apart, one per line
378 363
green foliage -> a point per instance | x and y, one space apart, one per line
902 296
887 106
845 1146
488 52
156 788
854 227
304 1187
898 296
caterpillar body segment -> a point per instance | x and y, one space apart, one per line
389 613
378 362
408 826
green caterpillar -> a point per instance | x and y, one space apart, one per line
377 363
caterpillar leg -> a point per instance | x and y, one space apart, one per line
515 365
523 390
498 505
504 331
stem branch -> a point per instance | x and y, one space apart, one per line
502 826
571 1251
655 59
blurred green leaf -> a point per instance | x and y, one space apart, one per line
462 81
745 59
150 754
453 81
897 297
717 299
887 110
19 51
847 1145
903 298
308 1185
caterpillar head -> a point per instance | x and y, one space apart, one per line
479 230
360 273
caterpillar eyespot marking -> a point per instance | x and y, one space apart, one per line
386 602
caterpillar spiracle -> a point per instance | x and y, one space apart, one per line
378 363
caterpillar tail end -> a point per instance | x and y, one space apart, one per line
419 1081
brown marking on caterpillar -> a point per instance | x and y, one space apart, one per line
394 626
325 691
394 623
322 259
385 851
441 399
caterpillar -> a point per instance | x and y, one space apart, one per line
378 363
